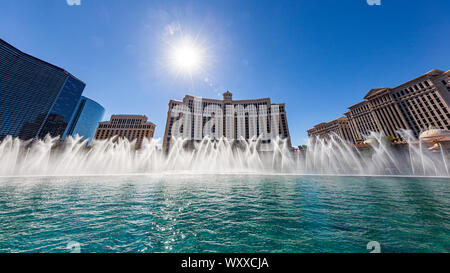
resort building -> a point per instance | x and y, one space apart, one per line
194 118
132 127
425 101
85 119
339 127
416 105
36 98
361 121
385 112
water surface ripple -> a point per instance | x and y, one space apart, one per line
224 213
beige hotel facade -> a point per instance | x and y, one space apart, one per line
415 105
194 118
131 127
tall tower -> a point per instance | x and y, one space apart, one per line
36 98
227 96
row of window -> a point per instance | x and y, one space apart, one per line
200 108
379 101
412 89
126 121
390 120
282 125
362 108
137 126
340 127
365 123
431 112
130 134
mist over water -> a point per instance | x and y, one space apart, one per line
50 156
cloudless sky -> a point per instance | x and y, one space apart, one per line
318 57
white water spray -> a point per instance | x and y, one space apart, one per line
49 156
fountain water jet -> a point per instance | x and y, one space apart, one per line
50 156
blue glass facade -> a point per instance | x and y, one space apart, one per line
63 108
36 97
85 119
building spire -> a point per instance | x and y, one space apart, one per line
227 95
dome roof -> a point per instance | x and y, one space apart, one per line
434 132
370 141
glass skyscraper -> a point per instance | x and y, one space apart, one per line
85 119
36 97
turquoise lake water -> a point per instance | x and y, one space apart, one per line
224 213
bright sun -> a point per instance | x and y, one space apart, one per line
186 57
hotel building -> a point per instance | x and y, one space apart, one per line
425 101
132 127
360 120
416 105
194 118
36 98
340 127
85 119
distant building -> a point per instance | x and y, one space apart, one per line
195 118
415 105
385 112
132 127
425 101
85 119
339 127
361 121
36 97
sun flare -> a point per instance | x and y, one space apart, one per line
186 57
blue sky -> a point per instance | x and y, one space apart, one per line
318 57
